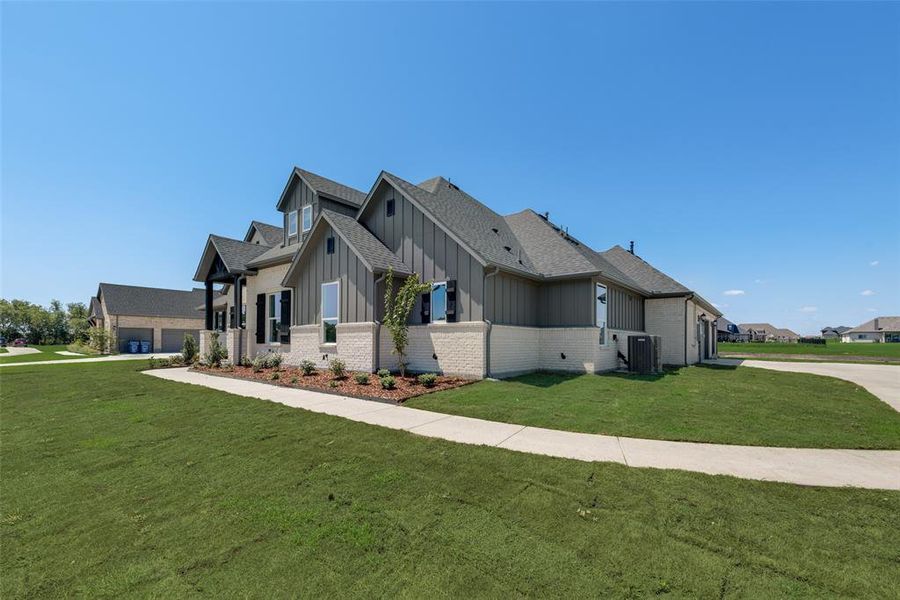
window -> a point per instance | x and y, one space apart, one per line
439 302
601 311
274 318
389 208
292 223
330 303
329 245
307 218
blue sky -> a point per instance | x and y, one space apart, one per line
750 148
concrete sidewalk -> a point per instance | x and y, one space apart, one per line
80 361
875 469
882 381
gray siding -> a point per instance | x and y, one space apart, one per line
511 300
625 310
299 196
357 290
567 303
427 250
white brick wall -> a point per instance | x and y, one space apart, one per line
514 350
232 340
355 346
459 348
266 281
665 317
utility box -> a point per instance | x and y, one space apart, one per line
644 354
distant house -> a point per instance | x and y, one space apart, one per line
726 331
158 316
879 329
834 333
766 332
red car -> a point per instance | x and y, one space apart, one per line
19 342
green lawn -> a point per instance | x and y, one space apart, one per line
702 404
120 484
830 349
3 350
47 353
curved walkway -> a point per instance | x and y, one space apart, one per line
882 381
81 361
875 469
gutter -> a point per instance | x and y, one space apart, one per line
487 336
377 350
687 299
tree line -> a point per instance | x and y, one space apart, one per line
37 324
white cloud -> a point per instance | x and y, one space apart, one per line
867 293
734 292
759 281
809 309
871 310
874 263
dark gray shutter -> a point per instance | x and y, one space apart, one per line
426 307
451 301
260 318
286 317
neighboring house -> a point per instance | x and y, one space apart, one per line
834 333
730 332
159 316
508 294
879 329
766 332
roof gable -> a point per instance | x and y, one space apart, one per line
234 254
272 235
150 302
321 185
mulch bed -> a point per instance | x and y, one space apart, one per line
406 387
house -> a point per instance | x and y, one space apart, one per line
509 294
766 332
879 329
730 332
159 316
834 333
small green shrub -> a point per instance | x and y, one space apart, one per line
307 367
273 360
338 368
258 363
361 378
427 379
294 380
246 361
388 382
333 384
275 376
383 372
189 348
217 351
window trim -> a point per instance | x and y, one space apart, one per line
292 231
273 299
437 284
306 208
337 317
604 337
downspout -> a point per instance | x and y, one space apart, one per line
377 350
686 300
487 335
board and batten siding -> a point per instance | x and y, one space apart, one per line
511 300
357 289
568 303
625 309
427 250
299 196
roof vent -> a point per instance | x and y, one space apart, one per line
545 216
507 248
631 246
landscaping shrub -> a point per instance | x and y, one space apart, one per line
80 348
293 380
308 367
362 378
332 384
428 379
388 382
338 368
275 376
100 340
273 360
246 361
217 352
258 363
383 372
189 348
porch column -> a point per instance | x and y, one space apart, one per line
237 301
209 305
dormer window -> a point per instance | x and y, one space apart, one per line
292 223
307 218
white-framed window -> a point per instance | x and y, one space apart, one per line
600 307
307 218
273 318
292 223
439 302
331 296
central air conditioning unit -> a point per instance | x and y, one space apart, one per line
644 354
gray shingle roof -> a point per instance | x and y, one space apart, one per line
235 253
332 188
639 270
96 309
366 245
151 302
272 234
274 256
470 221
884 324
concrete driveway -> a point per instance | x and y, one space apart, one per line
19 350
882 381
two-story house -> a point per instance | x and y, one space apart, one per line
508 294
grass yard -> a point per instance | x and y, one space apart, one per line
117 483
46 353
836 349
3 350
702 404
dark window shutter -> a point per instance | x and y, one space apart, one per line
426 307
231 317
329 245
286 317
389 209
260 318
451 301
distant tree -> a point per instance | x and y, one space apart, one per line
77 316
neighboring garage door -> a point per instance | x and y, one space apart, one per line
126 334
173 339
